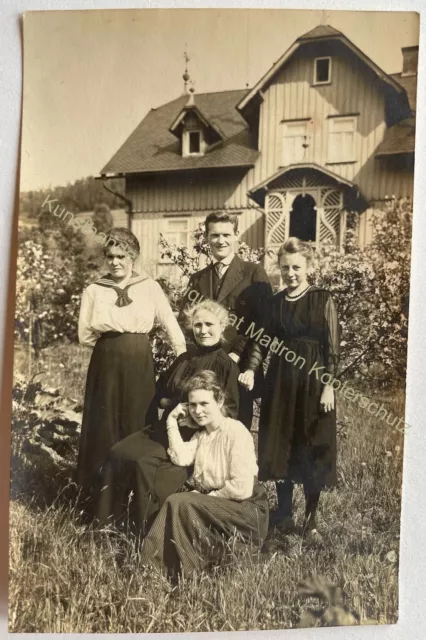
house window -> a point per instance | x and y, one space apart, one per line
341 139
295 142
194 142
322 70
177 231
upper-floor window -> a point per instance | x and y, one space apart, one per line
295 142
193 142
341 139
322 70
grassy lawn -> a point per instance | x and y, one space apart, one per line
66 578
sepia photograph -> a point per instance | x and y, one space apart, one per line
211 319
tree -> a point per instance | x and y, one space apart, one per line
102 218
81 195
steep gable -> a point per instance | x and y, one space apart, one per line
320 34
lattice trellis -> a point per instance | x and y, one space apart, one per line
296 180
277 219
279 201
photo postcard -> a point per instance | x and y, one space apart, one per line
211 320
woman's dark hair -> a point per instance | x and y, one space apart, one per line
207 381
124 239
221 216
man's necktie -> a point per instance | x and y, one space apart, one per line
219 267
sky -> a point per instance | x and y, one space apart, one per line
90 77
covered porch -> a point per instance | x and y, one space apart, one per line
306 201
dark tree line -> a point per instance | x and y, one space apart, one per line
81 195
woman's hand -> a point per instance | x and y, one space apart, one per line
246 379
234 356
180 411
181 415
327 398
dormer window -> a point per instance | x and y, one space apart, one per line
322 70
195 131
194 142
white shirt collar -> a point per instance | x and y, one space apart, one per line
226 261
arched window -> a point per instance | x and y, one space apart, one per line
303 218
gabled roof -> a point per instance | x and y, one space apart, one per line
399 139
192 107
409 83
153 148
321 32
258 192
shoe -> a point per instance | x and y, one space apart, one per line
310 525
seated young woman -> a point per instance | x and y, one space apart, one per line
227 499
140 462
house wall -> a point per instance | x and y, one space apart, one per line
353 89
148 227
191 191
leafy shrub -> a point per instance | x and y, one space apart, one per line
52 270
370 288
45 433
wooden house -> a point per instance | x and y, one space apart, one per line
325 131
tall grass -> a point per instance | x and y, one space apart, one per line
65 577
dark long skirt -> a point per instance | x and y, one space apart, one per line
191 529
119 389
297 439
137 477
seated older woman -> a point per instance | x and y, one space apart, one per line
140 462
227 500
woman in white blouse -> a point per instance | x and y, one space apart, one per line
226 500
117 313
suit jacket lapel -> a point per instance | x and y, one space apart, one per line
232 277
205 283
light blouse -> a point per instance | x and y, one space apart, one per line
100 313
224 460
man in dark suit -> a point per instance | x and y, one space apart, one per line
243 288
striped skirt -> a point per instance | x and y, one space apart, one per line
191 529
119 389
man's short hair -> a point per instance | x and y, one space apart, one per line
221 216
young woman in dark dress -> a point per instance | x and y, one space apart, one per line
297 427
140 463
116 315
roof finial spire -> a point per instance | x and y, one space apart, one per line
186 76
191 94
323 17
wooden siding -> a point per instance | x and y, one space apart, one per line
148 226
204 191
353 89
365 228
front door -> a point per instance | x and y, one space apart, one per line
303 218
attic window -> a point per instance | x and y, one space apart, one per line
194 142
322 70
